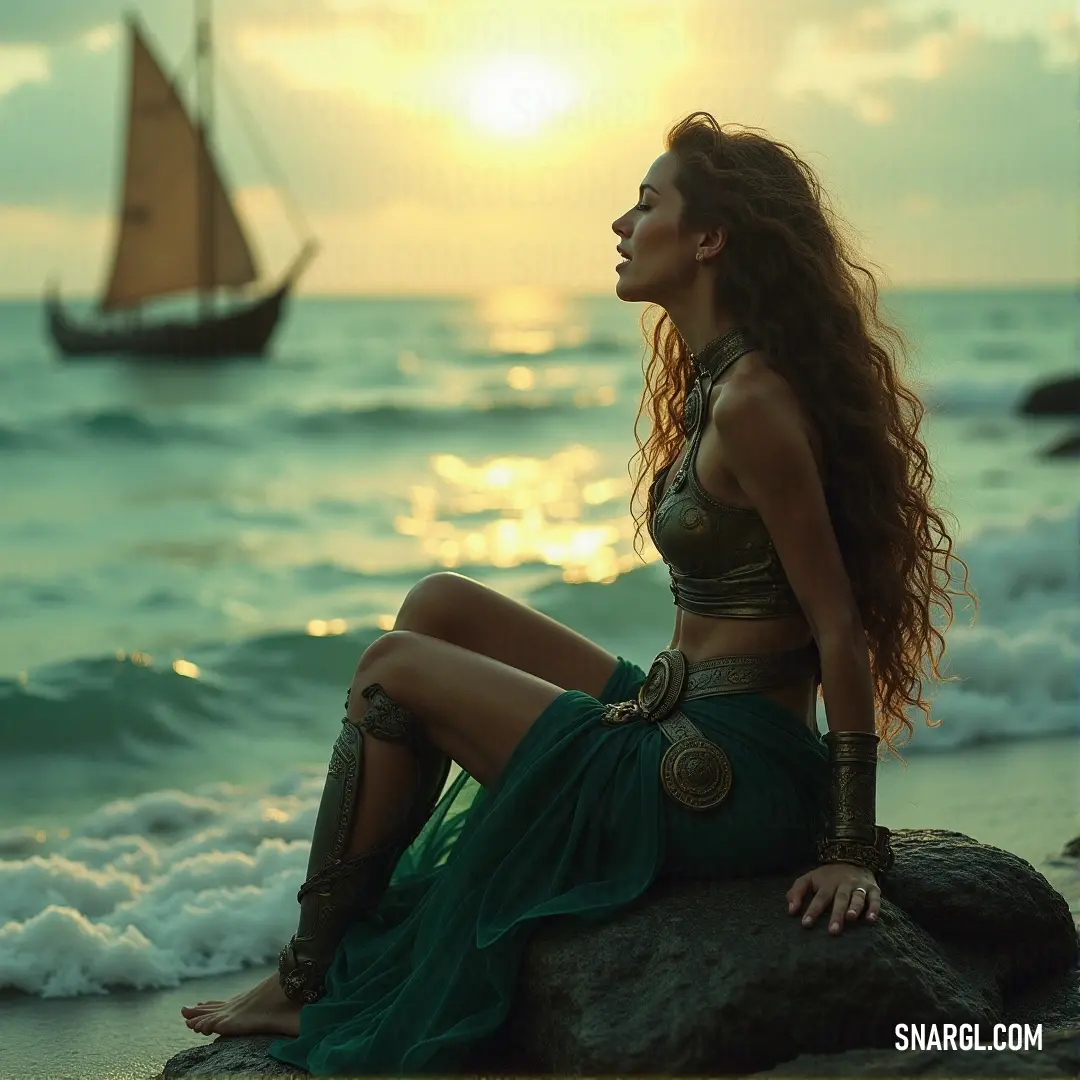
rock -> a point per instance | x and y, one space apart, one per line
229 1056
715 977
972 897
1065 447
668 982
1058 397
1072 849
1054 1003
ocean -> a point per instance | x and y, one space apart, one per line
192 561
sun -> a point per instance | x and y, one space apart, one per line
517 95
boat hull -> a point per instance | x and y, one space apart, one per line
243 331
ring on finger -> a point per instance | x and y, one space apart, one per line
851 901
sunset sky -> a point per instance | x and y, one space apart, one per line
446 146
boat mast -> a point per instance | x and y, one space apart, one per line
204 89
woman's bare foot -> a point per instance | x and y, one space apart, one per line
262 1010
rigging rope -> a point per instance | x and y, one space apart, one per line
266 159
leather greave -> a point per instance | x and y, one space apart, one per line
339 891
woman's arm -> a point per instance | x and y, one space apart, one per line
846 683
767 448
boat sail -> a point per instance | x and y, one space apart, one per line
177 231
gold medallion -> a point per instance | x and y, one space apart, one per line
696 773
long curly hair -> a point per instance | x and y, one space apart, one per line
787 274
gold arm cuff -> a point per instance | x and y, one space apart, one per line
853 786
876 857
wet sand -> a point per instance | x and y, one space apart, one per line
1023 797
126 1035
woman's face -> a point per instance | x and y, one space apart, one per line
659 262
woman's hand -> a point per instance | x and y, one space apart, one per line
850 890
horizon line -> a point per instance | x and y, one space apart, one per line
472 294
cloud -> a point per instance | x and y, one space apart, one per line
992 117
848 64
969 172
66 134
57 22
40 244
1053 23
58 133
22 64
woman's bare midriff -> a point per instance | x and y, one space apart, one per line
701 637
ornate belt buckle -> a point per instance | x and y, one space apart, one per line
696 773
664 686
621 713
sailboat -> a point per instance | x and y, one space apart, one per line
177 232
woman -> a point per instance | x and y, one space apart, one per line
789 497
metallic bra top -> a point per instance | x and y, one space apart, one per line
720 557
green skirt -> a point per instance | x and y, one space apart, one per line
578 825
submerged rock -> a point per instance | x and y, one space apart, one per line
1067 446
1057 397
716 977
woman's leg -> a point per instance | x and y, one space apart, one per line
464 612
475 709
471 707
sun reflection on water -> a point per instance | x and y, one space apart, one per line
525 320
508 511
